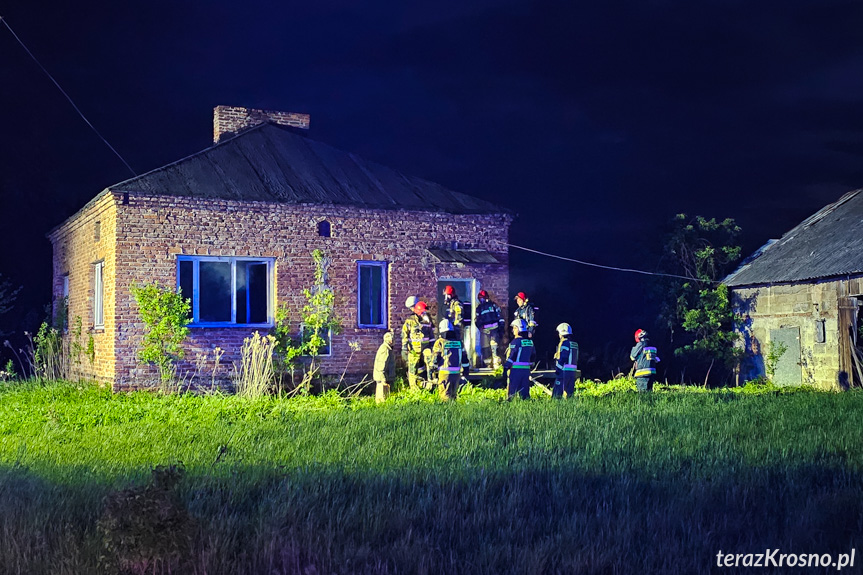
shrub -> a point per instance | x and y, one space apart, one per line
166 314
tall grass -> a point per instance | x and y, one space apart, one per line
617 483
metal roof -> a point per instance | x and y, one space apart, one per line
827 244
273 163
463 256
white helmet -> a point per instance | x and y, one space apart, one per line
411 302
520 324
445 326
564 329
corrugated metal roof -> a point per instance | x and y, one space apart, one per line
827 244
463 256
273 163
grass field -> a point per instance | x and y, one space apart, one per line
609 482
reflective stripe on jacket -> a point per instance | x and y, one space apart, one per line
520 355
566 355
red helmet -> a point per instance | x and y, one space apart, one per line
520 295
448 290
639 333
420 307
483 294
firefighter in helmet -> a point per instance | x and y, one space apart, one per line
450 358
645 357
490 323
520 357
416 339
452 309
525 311
566 363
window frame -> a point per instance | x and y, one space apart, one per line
99 294
384 297
329 340
233 260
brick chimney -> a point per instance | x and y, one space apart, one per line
228 120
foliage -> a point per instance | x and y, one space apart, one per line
147 529
165 313
775 351
704 250
255 374
8 295
321 484
318 320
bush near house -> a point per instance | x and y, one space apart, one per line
610 481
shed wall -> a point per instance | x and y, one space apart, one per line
802 305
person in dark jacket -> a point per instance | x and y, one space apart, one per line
566 363
520 357
489 322
385 368
450 358
645 358
526 312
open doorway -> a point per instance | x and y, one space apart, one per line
466 290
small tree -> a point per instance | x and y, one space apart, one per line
166 315
704 250
8 295
318 319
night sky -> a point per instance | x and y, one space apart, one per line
595 121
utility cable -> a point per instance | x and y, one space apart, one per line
67 95
634 271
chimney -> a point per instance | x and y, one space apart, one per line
228 120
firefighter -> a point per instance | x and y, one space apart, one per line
385 368
645 358
416 339
450 358
490 323
519 359
566 363
453 310
525 311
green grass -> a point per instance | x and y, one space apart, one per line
607 482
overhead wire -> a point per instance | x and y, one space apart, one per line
628 270
29 53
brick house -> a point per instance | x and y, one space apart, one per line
804 291
235 225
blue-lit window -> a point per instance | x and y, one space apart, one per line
372 294
227 291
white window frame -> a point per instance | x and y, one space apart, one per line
384 294
329 338
195 297
99 295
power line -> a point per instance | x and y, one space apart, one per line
609 267
65 94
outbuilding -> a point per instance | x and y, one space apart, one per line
799 298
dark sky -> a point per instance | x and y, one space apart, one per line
596 121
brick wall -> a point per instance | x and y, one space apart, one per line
77 246
152 231
229 120
794 306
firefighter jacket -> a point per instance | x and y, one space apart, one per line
385 364
566 356
454 312
488 317
645 358
521 355
450 357
525 312
416 334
